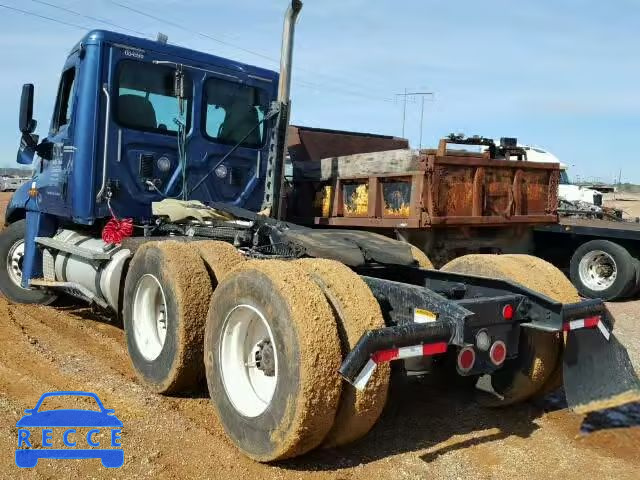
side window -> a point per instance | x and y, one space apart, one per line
232 111
64 104
146 99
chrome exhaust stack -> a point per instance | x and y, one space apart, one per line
286 52
272 204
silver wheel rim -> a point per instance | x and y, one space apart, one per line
149 317
14 262
248 388
598 270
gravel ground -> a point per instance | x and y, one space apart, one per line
427 430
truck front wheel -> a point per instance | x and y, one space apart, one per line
11 254
603 269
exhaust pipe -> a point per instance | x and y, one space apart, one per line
272 203
286 52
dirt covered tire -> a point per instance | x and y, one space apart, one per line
603 269
356 311
539 352
421 257
11 253
166 297
284 405
220 258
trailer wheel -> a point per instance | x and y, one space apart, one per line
11 253
166 297
540 352
421 257
272 352
356 311
603 269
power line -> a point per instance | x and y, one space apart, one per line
181 27
246 50
88 17
44 17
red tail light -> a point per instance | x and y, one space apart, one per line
466 359
507 312
498 352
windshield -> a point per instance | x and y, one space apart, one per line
146 98
564 178
232 110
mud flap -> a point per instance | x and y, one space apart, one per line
597 373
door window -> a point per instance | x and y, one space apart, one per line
64 103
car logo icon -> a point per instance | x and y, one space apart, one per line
69 419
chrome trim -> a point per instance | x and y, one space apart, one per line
119 145
107 117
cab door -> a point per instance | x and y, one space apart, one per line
53 172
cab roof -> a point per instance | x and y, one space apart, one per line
188 56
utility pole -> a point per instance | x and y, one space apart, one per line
405 96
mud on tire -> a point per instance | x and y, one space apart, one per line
171 278
281 301
356 311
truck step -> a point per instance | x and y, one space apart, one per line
74 250
73 289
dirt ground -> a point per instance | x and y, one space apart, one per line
629 203
426 431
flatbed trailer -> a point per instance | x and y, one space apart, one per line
601 256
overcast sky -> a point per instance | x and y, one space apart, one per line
561 74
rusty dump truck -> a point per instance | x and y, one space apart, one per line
447 202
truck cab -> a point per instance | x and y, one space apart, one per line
128 115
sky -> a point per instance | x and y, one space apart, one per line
563 75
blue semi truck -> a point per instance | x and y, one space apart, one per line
158 195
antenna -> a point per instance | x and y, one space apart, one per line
413 95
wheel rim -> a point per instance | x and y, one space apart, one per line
149 317
248 383
14 262
598 270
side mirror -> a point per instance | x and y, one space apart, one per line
26 122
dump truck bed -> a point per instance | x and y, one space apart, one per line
421 189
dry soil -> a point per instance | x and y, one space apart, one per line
426 431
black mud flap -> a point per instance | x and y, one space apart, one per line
597 373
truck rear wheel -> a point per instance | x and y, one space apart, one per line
603 269
539 352
11 254
356 311
272 352
421 257
166 297
220 258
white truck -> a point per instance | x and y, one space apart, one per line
566 191
600 255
